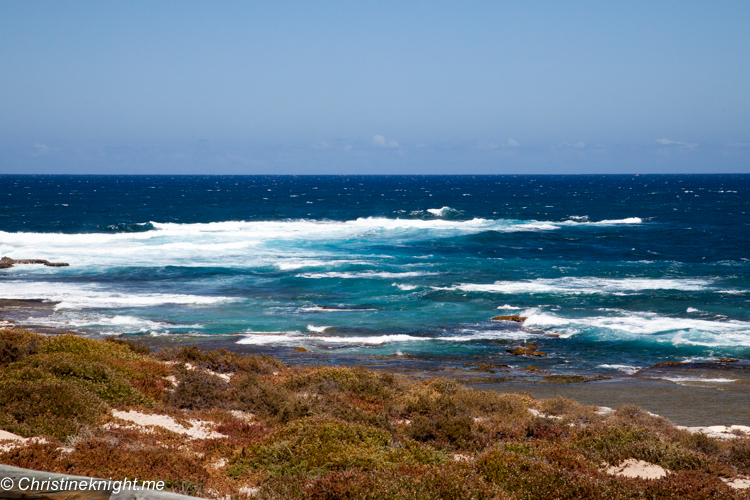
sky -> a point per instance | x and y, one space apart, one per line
345 87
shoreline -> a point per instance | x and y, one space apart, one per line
671 390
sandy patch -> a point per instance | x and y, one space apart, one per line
198 429
738 483
226 377
719 431
249 491
637 468
242 415
10 441
537 413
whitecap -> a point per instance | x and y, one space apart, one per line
91 296
405 288
583 285
647 326
365 275
333 309
317 329
287 337
443 212
630 370
679 379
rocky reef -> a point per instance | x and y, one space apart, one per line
7 262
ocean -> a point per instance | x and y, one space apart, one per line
611 273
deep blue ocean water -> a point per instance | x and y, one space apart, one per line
613 273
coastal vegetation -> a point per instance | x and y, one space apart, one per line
217 423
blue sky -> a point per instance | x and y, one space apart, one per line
374 87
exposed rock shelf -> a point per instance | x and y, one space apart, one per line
7 262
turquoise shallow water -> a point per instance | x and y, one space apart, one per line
613 273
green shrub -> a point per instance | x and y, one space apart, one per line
313 447
615 444
197 390
449 482
739 455
222 360
441 429
88 348
47 408
366 384
94 376
534 479
138 347
268 400
16 344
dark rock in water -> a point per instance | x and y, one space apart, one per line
528 350
7 262
512 317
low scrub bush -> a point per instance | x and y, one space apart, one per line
450 482
16 344
739 455
88 348
138 347
197 390
93 376
222 360
47 408
530 477
269 400
615 444
313 447
111 458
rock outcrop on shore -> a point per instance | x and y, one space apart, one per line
510 317
7 262
527 350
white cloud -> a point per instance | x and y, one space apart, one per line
380 141
40 149
668 142
512 143
579 144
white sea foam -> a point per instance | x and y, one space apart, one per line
246 243
575 286
680 379
406 288
365 275
630 370
104 324
287 337
470 335
317 329
291 264
333 309
646 326
443 212
91 296
465 335
509 307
